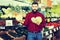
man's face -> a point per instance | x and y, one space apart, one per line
34 7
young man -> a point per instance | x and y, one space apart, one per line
35 21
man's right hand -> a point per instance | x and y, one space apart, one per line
22 21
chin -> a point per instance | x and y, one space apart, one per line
34 10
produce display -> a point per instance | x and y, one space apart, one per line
52 15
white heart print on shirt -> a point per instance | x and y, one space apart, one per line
36 20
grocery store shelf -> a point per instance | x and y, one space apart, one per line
50 34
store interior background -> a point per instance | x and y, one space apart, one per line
12 12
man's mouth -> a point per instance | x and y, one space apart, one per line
34 10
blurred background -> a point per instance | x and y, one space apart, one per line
12 12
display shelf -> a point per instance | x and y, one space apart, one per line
50 33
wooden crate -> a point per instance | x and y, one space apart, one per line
20 38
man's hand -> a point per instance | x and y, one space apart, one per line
22 21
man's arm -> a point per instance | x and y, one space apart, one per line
43 21
25 21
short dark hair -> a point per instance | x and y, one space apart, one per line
34 3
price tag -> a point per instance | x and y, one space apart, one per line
57 28
54 29
50 31
9 23
1 27
50 35
46 33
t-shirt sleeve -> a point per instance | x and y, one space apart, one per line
26 20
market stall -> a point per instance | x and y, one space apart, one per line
14 12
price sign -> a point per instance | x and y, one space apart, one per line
9 23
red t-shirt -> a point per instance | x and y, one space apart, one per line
32 26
